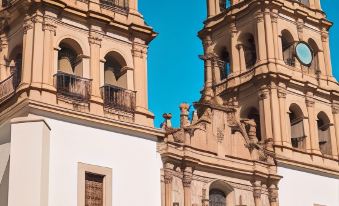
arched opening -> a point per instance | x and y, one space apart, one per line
224 5
70 57
287 43
324 134
297 127
314 67
249 49
16 65
115 70
69 79
253 113
221 194
115 92
224 63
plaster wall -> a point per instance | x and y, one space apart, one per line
134 161
307 189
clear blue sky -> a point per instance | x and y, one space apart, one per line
175 73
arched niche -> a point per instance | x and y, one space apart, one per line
253 114
248 49
70 57
324 133
115 70
287 42
221 194
15 63
297 130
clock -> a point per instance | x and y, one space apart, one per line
304 53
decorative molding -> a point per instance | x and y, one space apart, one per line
257 189
273 193
187 177
300 25
263 94
95 38
282 93
28 25
37 19
49 25
324 35
260 17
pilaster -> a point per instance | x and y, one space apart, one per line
335 112
283 119
168 178
38 49
95 39
276 115
270 46
261 39
312 123
234 51
49 29
187 179
327 53
27 50
265 113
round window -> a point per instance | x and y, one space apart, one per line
304 53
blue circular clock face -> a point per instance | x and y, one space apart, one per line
304 53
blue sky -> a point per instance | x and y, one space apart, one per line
175 73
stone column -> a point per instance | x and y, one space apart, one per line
274 21
335 111
300 28
168 177
327 53
261 40
270 46
312 121
265 114
211 8
209 55
140 76
242 60
317 4
27 51
257 193
276 115
187 185
38 49
286 141
273 195
94 40
48 63
234 51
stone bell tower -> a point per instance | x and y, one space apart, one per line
269 101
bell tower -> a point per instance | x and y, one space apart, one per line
268 112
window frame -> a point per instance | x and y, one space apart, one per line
107 182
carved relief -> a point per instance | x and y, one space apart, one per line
95 38
28 24
260 17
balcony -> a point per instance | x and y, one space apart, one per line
115 5
118 98
8 86
73 87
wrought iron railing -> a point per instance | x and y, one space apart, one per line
72 86
116 5
118 98
8 86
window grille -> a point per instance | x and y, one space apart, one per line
118 98
118 5
305 2
94 189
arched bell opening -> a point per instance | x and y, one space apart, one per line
296 118
324 133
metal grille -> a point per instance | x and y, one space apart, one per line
73 87
8 86
118 98
217 198
117 5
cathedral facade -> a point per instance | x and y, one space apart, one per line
75 128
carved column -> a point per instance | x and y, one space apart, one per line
273 195
37 69
265 114
242 61
261 40
270 46
168 177
95 40
234 51
312 121
27 50
208 47
286 141
187 185
335 111
257 193
140 75
327 53
276 117
48 63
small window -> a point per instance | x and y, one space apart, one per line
94 185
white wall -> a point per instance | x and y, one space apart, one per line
306 189
134 161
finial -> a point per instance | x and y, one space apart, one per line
167 122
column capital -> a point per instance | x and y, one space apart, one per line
335 108
259 17
139 50
28 24
263 94
324 35
257 189
49 25
273 193
274 17
282 93
95 38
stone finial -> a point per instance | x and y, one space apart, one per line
167 122
184 107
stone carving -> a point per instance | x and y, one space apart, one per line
220 135
28 24
95 38
273 193
260 17
187 177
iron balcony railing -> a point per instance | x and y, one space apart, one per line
116 5
118 98
73 87
8 86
